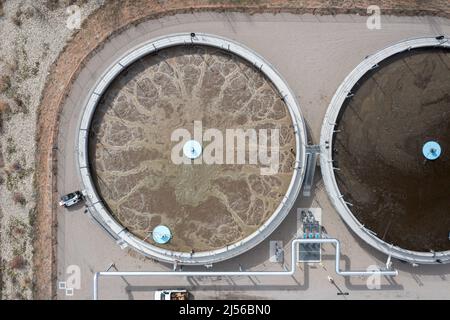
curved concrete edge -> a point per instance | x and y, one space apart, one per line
205 257
326 160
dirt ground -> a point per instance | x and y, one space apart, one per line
49 60
206 206
394 190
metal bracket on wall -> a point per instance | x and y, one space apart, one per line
312 152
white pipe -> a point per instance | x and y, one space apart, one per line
246 273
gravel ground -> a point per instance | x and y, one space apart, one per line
32 35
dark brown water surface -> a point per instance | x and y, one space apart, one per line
395 191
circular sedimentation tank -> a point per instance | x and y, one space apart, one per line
387 150
190 83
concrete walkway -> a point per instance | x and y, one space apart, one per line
314 54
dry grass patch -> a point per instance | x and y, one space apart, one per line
17 18
4 111
4 107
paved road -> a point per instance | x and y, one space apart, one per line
314 54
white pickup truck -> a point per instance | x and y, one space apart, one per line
171 295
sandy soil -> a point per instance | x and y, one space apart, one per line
395 192
35 34
207 206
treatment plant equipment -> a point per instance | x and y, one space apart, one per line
119 131
385 155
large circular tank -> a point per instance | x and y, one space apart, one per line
191 83
387 140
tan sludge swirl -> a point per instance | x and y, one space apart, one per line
205 206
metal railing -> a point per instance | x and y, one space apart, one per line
326 157
102 211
